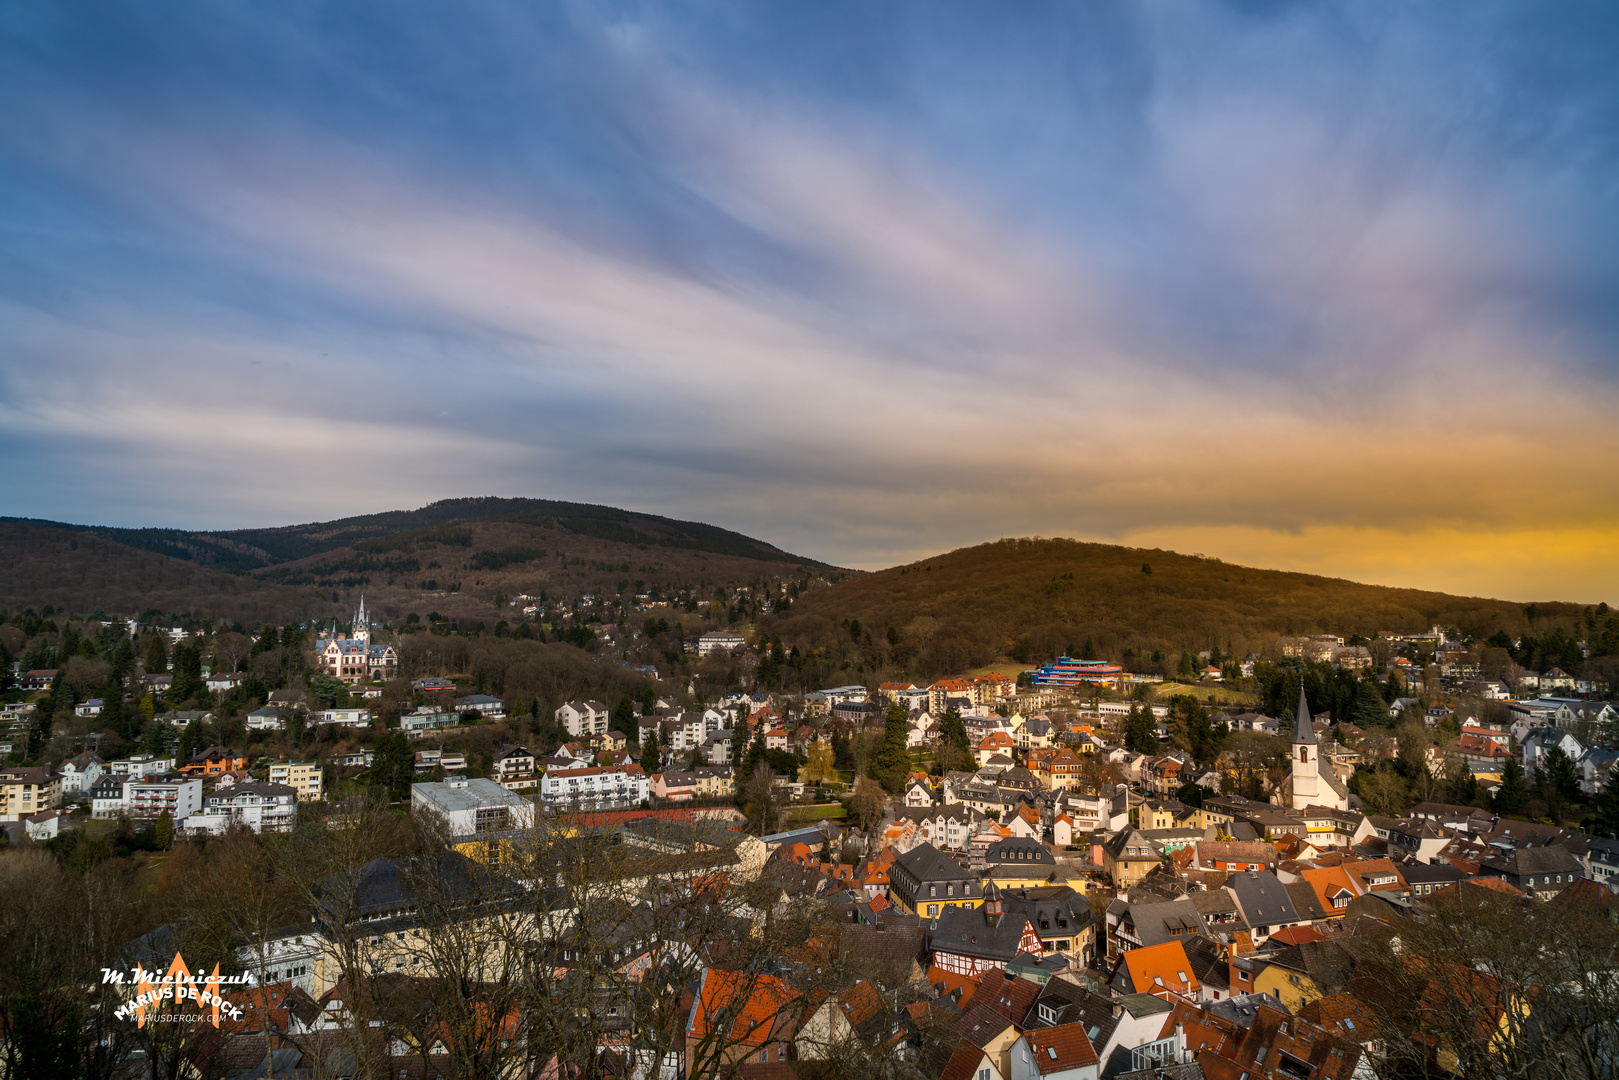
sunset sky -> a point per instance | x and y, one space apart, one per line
1321 287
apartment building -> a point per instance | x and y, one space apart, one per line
583 718
28 790
260 807
307 778
594 789
148 797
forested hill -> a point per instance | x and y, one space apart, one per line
254 549
462 558
1034 599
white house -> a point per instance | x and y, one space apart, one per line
601 788
259 807
358 718
89 708
140 765
269 718
718 641
426 719
80 774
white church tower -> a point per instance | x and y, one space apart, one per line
362 625
1306 760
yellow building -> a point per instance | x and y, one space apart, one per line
307 778
1303 973
28 790
924 881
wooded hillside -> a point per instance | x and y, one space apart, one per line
1035 599
462 558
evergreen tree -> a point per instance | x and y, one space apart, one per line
1557 782
113 716
163 831
393 762
624 715
157 655
894 759
187 684
754 755
1141 731
1196 728
190 738
1514 790
123 658
1369 708
953 732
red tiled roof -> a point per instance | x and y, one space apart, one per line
1056 1049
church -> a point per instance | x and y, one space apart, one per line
355 658
1308 785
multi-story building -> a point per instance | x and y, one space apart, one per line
80 774
468 807
147 798
215 760
342 717
490 707
718 641
260 807
611 788
27 791
925 881
357 658
513 769
583 718
307 778
107 797
426 719
139 765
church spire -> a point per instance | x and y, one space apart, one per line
1303 730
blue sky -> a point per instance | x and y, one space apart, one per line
1329 287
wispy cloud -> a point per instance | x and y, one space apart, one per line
1297 287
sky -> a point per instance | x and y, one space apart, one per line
1326 287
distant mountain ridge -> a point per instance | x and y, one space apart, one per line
247 550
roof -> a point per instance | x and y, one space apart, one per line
1155 923
982 1025
967 932
963 1064
1056 1049
1303 730
1161 968
1263 898
928 864
1019 850
755 1005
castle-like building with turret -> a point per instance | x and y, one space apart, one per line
355 658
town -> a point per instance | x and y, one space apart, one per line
1331 858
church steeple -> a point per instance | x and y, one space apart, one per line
1303 730
362 623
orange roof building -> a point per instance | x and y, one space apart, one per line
1161 970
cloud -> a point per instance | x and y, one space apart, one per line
1282 287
